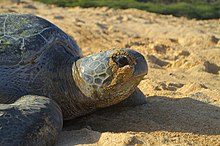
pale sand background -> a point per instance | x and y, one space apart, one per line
182 87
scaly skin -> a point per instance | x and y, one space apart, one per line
30 120
44 80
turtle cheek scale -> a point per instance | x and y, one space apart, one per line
92 72
109 77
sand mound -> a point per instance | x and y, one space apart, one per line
183 86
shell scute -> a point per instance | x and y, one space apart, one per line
8 54
24 37
20 26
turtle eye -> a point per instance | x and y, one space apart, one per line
121 60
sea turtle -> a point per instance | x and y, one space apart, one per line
44 79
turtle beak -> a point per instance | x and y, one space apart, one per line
140 67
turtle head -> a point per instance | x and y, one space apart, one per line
111 76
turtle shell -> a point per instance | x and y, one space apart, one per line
24 37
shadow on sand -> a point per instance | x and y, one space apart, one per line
160 113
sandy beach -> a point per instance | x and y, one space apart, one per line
182 88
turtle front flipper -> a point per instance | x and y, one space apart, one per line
135 99
31 120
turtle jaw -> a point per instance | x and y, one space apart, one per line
140 66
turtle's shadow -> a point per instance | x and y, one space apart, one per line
159 114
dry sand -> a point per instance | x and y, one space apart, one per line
182 87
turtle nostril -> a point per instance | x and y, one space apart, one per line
121 61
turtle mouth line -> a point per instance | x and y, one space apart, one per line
141 67
124 57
